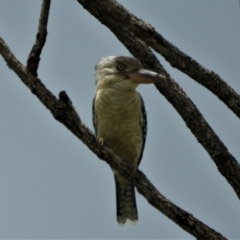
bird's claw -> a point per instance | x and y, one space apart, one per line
101 140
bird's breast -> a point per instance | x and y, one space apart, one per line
119 122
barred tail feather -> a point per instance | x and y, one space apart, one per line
126 203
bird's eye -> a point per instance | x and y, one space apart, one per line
121 66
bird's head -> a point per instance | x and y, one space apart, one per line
123 73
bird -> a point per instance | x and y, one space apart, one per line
120 121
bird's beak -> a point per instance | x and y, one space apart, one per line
144 76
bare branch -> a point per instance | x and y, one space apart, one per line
226 163
34 55
65 113
117 13
34 84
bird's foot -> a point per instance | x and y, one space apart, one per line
101 140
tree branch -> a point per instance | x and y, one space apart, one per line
226 163
115 12
65 113
34 55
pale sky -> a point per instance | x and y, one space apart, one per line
52 186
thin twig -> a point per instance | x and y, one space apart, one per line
65 113
34 55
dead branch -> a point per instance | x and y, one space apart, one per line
115 12
34 55
63 110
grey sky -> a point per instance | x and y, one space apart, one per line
51 185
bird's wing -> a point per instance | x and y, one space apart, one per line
144 128
94 116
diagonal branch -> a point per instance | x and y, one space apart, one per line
226 163
34 55
65 113
117 13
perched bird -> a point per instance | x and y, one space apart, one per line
120 120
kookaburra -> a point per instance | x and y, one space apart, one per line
120 120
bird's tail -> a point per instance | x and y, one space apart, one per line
126 201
